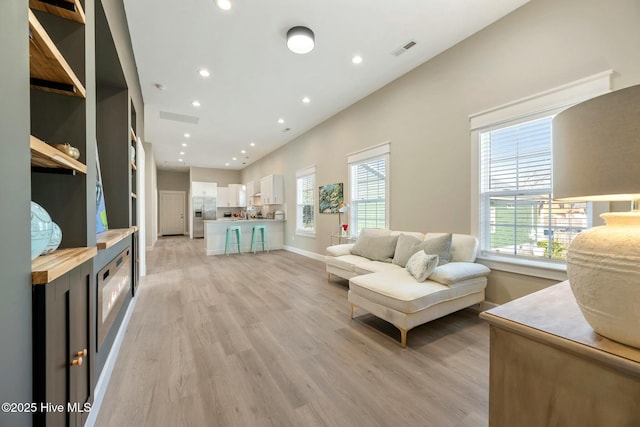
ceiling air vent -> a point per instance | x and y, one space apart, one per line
286 129
404 48
179 117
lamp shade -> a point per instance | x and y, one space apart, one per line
596 148
300 40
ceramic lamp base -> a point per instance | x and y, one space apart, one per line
603 265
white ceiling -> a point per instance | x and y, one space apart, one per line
255 79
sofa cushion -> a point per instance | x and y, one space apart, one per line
440 245
374 267
420 265
345 262
399 290
376 248
338 250
458 271
464 248
405 247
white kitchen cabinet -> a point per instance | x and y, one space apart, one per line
253 188
272 190
223 197
237 195
203 189
233 196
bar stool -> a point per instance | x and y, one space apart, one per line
258 229
227 242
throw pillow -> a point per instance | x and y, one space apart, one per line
421 265
377 248
406 246
440 246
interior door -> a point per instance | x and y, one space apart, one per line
172 213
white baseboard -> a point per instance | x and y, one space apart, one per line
103 382
308 254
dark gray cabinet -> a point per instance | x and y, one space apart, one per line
62 343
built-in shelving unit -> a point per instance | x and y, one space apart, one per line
109 238
47 268
49 71
44 155
68 9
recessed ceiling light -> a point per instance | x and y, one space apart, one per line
306 100
187 135
226 164
182 153
280 121
224 4
179 160
184 144
356 59
234 158
196 103
253 144
204 72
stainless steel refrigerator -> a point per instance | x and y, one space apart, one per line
203 208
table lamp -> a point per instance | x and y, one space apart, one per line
596 157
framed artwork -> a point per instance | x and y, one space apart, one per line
101 210
331 198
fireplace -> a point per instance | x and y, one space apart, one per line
114 284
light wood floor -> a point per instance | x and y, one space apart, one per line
264 340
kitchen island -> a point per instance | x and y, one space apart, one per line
215 234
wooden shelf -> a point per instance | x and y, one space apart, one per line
109 238
49 70
47 268
67 9
45 156
133 136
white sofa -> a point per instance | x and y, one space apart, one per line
388 291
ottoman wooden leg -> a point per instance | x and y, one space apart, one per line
352 307
403 338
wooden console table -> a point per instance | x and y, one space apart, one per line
548 367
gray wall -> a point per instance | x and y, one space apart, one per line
15 178
425 115
220 176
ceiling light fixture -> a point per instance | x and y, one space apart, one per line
306 100
182 153
243 151
184 144
224 4
357 59
300 40
187 135
179 160
204 72
226 164
196 103
280 121
253 144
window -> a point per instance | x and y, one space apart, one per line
305 202
518 215
369 184
519 226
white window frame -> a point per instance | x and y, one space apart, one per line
539 105
381 151
300 174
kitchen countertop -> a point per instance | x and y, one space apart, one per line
240 220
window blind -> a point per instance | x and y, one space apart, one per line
368 183
518 215
305 215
